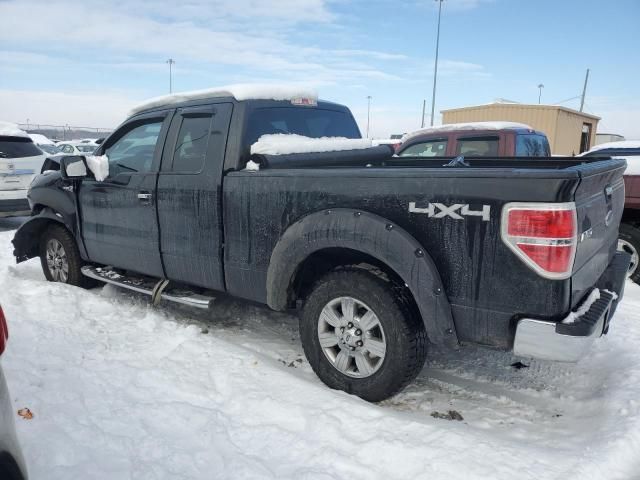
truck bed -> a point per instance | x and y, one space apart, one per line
484 281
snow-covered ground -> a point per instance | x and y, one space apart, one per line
122 390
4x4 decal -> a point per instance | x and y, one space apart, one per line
440 210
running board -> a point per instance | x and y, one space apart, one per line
156 289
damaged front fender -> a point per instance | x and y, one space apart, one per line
27 238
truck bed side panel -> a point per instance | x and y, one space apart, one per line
484 281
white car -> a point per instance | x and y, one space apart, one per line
76 148
47 146
20 161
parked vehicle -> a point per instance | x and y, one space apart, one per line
12 466
629 240
20 161
477 139
43 143
379 255
69 148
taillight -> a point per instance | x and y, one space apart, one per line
4 331
543 235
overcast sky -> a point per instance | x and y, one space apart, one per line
88 62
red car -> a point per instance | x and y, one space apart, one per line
477 139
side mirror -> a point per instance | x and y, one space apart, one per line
73 167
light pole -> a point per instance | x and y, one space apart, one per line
368 113
435 69
540 87
171 62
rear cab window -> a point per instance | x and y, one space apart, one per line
18 147
532 145
314 122
478 146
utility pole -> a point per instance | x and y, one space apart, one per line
435 69
368 113
540 87
424 107
584 90
171 62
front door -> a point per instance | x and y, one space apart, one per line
118 215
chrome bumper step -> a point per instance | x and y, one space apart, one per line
157 289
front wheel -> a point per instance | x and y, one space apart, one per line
362 336
629 241
60 258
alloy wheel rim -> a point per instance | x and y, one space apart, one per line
625 246
351 337
57 262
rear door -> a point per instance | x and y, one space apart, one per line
190 195
118 215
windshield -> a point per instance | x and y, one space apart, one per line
310 122
51 149
18 147
532 145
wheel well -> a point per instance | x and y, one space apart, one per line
632 216
27 239
330 259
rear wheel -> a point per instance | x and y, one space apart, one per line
360 335
629 241
60 258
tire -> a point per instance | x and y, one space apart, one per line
629 241
399 328
57 244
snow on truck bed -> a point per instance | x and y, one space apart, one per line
240 91
122 390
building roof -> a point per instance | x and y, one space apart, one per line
523 105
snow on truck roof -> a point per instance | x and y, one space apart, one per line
240 91
8 129
452 127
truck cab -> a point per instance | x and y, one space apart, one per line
477 139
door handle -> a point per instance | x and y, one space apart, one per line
144 196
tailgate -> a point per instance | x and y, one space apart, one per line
17 173
599 200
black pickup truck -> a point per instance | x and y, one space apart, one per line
381 255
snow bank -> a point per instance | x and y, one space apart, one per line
450 127
584 308
99 165
284 144
120 389
240 91
9 129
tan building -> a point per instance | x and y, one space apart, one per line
569 131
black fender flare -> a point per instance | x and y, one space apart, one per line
27 237
375 236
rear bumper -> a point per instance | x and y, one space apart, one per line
562 342
14 207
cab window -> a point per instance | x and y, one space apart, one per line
431 148
478 146
133 152
532 145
